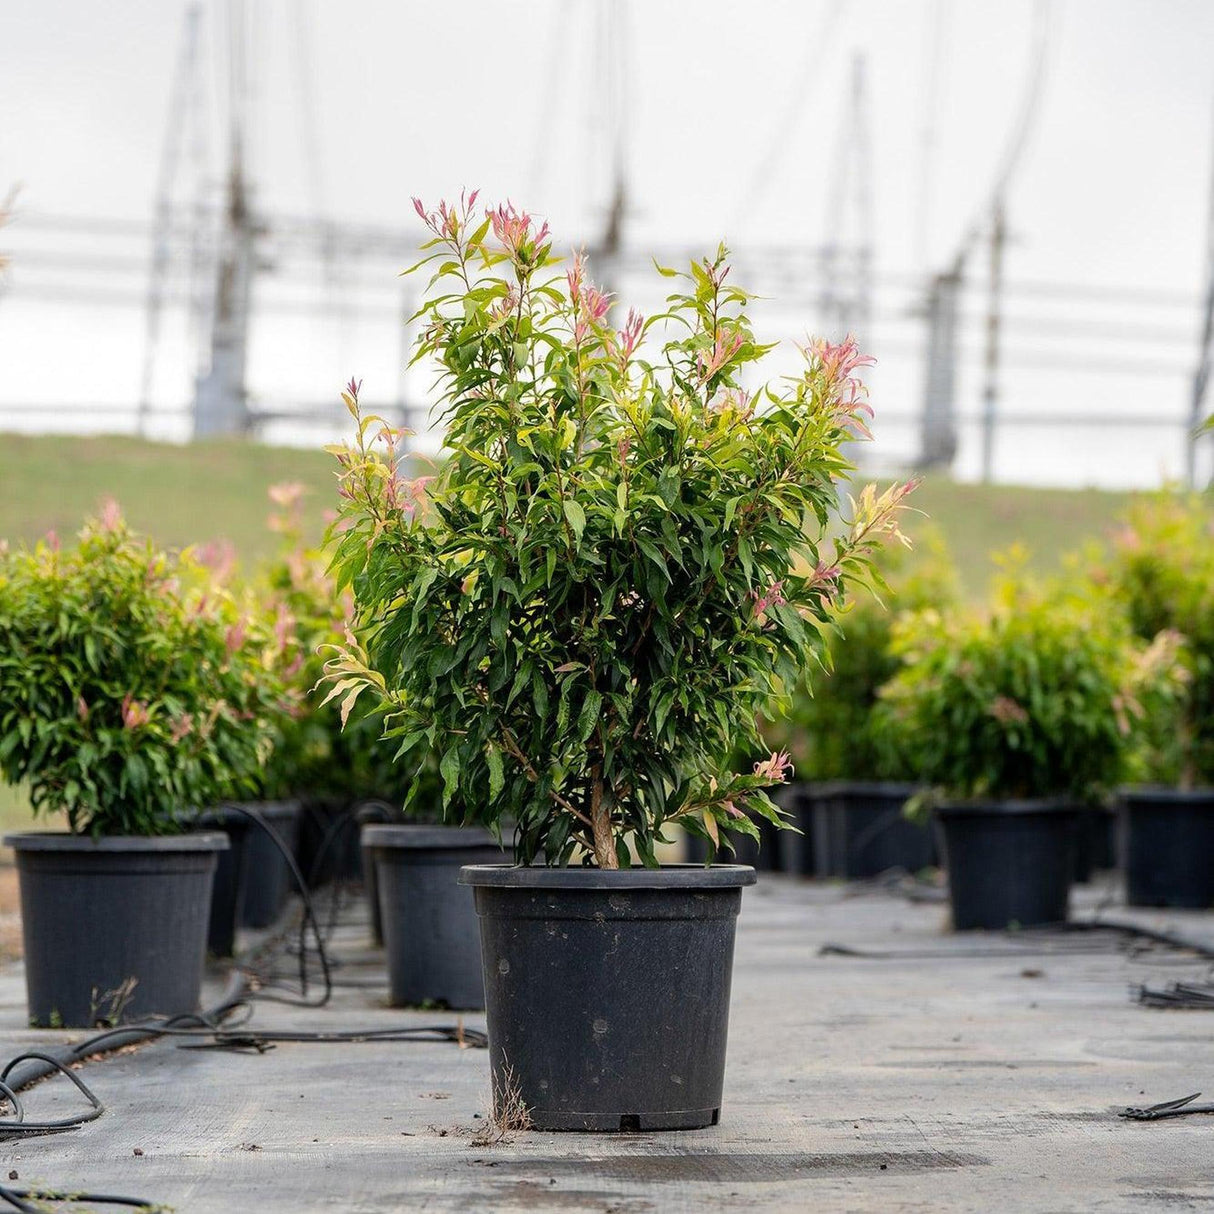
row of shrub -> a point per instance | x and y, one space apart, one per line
192 686
1068 686
138 686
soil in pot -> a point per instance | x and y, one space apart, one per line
607 993
431 939
1169 847
269 882
115 929
1009 862
860 830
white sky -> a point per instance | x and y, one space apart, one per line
419 99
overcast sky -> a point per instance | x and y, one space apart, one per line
733 113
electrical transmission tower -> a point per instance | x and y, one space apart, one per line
1205 359
187 129
221 399
847 255
938 438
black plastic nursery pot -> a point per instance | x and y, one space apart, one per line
269 882
115 929
1169 847
329 847
429 922
1010 863
607 993
796 847
860 830
228 883
762 854
1095 841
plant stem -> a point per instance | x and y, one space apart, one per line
600 823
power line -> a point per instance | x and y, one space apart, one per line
807 76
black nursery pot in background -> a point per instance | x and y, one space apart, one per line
429 923
268 879
763 854
1010 863
1169 847
607 993
227 886
796 847
329 848
860 830
115 928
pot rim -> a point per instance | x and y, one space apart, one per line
407 835
669 876
63 841
227 814
864 788
995 807
1165 794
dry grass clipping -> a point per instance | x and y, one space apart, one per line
510 1115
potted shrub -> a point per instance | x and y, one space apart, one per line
1015 718
856 785
1163 574
622 560
132 690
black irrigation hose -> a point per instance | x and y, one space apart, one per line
309 916
1184 1107
16 1200
1187 996
1126 931
28 1068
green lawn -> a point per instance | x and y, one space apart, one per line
178 494
217 490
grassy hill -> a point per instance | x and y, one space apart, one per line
217 490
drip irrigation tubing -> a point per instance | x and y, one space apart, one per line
248 982
1126 934
20 1199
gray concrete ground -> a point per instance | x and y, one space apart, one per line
984 1075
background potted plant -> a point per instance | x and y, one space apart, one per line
622 561
1162 572
132 690
854 783
1015 718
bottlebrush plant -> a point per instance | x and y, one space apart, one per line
626 556
313 755
133 689
1162 574
1045 696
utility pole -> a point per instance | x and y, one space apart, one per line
847 255
221 399
990 361
182 111
938 431
614 65
1201 376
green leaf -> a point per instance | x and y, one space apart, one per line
576 517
